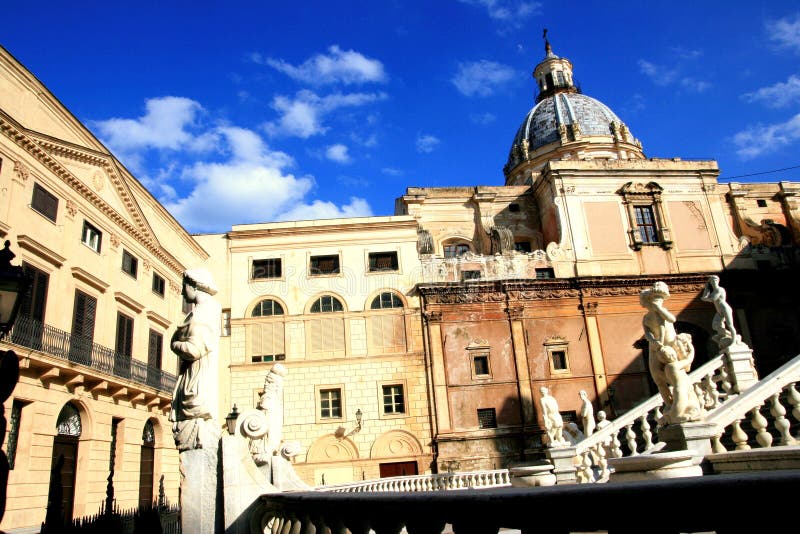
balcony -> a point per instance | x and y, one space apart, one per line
81 352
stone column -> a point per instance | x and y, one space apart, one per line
596 351
442 407
521 362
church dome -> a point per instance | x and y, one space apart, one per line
565 124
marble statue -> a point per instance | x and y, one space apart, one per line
602 420
587 414
670 357
196 343
723 320
553 423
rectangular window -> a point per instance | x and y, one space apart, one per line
155 344
268 268
487 418
472 274
382 261
33 303
91 236
44 202
129 263
646 223
13 433
159 285
481 365
321 265
330 403
761 203
124 344
522 246
393 399
225 326
559 358
268 358
545 273
83 319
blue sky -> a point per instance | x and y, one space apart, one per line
239 112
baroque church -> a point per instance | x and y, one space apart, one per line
413 343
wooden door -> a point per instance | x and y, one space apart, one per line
398 469
146 476
68 447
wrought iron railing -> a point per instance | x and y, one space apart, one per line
28 332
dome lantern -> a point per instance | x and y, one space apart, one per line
553 74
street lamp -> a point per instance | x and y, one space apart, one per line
230 420
13 286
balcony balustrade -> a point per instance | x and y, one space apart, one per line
44 338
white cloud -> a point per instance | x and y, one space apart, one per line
778 95
658 74
427 143
758 140
318 209
391 171
302 115
337 66
482 118
250 186
338 153
509 12
785 32
481 78
692 84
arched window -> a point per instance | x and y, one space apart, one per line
387 331
327 304
325 334
266 339
146 465
267 308
455 250
65 458
386 300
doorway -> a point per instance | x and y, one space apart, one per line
398 469
63 466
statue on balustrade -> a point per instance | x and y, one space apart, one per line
196 343
587 414
670 357
553 422
723 320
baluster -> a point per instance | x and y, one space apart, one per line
291 526
616 449
781 423
724 381
657 414
794 399
602 462
581 474
739 436
630 438
716 444
647 436
759 423
307 526
710 393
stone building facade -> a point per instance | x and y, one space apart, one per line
93 335
437 325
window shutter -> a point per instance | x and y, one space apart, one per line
154 348
84 315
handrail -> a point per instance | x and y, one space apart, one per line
33 334
756 394
496 478
608 432
570 508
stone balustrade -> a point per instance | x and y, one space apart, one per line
497 478
632 432
566 508
484 267
775 395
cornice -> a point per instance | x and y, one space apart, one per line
360 227
39 150
122 298
89 279
28 243
156 318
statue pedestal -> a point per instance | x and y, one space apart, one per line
563 467
688 436
201 492
741 368
527 476
658 466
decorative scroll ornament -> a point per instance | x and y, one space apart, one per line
22 171
72 208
